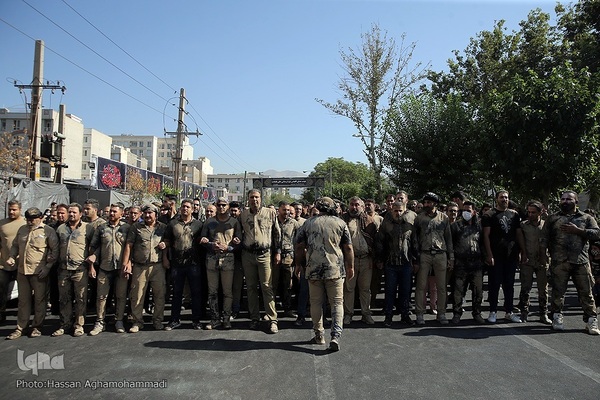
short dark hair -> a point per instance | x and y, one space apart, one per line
92 202
459 194
283 203
75 205
534 203
234 204
118 204
15 203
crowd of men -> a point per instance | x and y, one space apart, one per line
325 252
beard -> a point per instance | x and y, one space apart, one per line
567 207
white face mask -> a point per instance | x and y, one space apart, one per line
467 215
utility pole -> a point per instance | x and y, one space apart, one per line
58 172
36 86
180 132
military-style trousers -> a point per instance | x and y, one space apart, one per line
257 268
363 273
583 281
439 263
75 281
28 284
334 290
105 280
152 274
526 276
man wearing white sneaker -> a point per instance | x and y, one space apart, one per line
532 228
503 240
105 264
567 234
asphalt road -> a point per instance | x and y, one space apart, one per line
501 361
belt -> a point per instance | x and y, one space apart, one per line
433 252
258 252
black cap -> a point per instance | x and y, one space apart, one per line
431 197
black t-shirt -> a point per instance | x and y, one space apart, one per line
503 232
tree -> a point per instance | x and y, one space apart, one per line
377 75
141 189
535 111
343 179
431 147
14 154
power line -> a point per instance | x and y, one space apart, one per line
119 47
83 69
93 51
225 143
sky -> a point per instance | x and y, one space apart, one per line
251 69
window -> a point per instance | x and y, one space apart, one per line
161 154
85 153
169 146
162 146
47 125
141 144
132 144
16 124
85 139
149 144
211 179
220 180
3 124
226 180
84 166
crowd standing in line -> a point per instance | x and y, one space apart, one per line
328 252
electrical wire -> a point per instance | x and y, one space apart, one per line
119 47
83 69
93 51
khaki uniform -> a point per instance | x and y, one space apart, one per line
570 259
36 250
323 237
531 234
467 240
147 269
8 231
432 243
107 244
261 235
220 266
73 273
362 232
282 273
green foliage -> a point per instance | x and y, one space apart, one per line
276 197
431 147
534 96
377 75
343 179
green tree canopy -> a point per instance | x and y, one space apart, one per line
535 106
343 179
